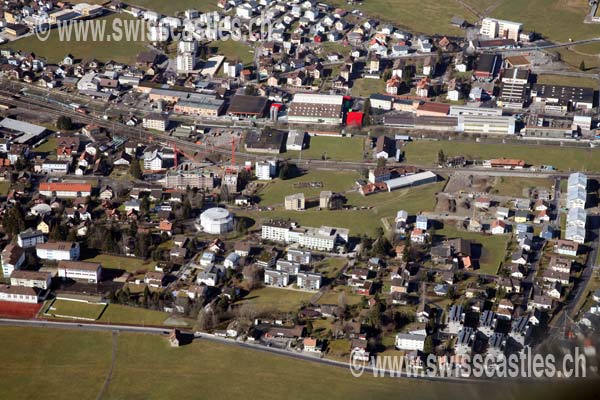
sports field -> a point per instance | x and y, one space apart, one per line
61 308
74 365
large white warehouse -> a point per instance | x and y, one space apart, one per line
216 221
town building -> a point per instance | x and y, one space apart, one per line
57 251
80 270
323 239
12 258
316 108
33 279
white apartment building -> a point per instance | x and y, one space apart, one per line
323 239
185 62
157 122
265 170
308 280
493 28
408 341
57 251
276 278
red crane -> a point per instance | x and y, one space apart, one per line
177 151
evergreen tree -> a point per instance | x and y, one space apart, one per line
64 123
14 221
135 169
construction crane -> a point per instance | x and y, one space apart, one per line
177 151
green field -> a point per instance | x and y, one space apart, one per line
49 146
332 148
555 19
361 221
233 51
275 191
55 50
4 188
509 186
331 266
333 296
282 300
119 314
567 80
563 158
74 365
493 247
174 7
75 309
421 16
130 264
365 87
574 55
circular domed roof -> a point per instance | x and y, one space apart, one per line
216 213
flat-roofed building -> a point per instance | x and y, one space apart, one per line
514 91
498 125
455 111
324 238
308 280
200 105
295 202
181 179
497 28
156 121
563 98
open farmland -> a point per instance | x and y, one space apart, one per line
563 158
368 216
559 20
275 191
62 354
332 148
54 50
283 300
